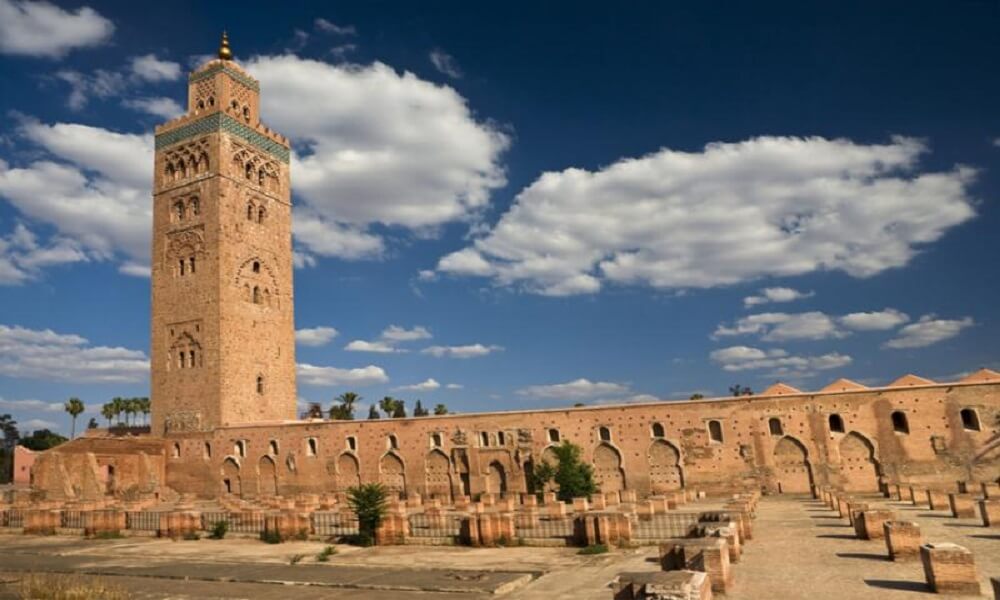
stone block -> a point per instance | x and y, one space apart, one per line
990 490
488 500
949 569
894 492
662 585
42 521
549 498
178 524
989 510
937 500
902 539
869 523
529 500
580 505
612 499
96 522
292 525
598 502
628 496
708 555
854 509
556 509
962 505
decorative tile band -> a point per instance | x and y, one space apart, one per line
221 122
245 80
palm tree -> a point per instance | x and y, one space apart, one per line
74 407
119 407
108 412
345 410
129 406
145 406
373 412
440 409
388 405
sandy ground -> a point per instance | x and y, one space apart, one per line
800 550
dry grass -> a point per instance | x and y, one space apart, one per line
69 587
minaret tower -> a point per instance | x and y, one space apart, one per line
223 334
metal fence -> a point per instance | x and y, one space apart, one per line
72 519
334 524
142 520
210 518
665 526
243 522
15 518
435 526
543 527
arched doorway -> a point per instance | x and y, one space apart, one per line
231 483
664 467
857 464
608 469
792 467
348 471
267 477
496 479
437 479
392 474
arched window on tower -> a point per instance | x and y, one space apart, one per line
899 422
436 440
312 447
168 172
393 442
179 210
182 170
208 450
836 423
246 113
191 264
249 212
260 384
256 295
181 266
248 171
255 267
273 447
181 359
195 207
261 213
484 439
970 420
192 357
774 426
203 162
177 450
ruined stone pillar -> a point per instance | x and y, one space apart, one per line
869 523
42 521
949 569
580 505
903 539
937 500
689 585
598 502
990 512
962 506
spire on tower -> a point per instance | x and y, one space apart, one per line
224 52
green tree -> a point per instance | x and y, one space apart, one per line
92 423
696 396
119 406
369 503
574 477
541 474
8 426
145 406
108 412
74 407
42 439
440 409
399 411
131 409
419 410
740 390
373 412
315 411
388 405
345 410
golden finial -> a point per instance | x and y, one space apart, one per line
224 52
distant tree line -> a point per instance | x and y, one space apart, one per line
343 407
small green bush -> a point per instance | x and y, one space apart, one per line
359 539
324 556
219 530
192 536
594 549
296 559
270 537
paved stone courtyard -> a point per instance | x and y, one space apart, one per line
800 549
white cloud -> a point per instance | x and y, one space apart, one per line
150 68
376 346
775 294
32 424
881 320
45 354
22 257
332 376
37 405
468 351
768 206
776 327
165 108
83 87
315 336
44 29
454 386
574 390
331 27
393 150
428 385
96 193
395 333
743 358
927 331
445 63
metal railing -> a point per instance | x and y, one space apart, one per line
665 526
334 524
15 517
435 526
543 527
72 519
142 520
244 522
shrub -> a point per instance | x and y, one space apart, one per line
270 537
594 549
69 587
219 530
574 477
359 539
324 556
368 501
296 559
192 536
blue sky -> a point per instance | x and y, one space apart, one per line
531 205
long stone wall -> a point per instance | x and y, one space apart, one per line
783 440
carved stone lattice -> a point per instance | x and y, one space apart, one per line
460 437
182 421
186 243
524 436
